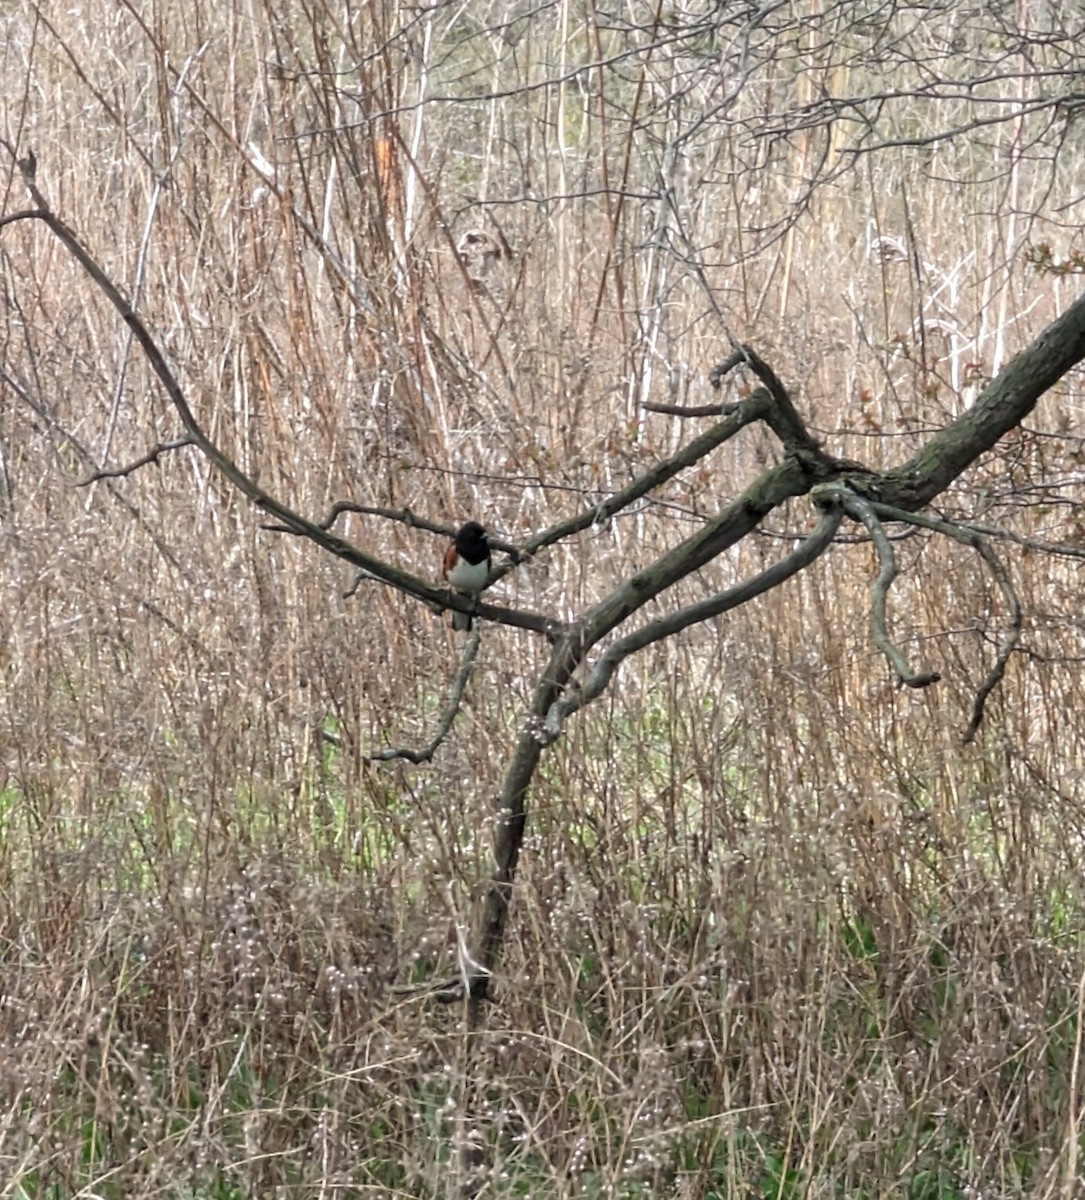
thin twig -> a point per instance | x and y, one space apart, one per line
403 515
1009 639
751 409
23 391
152 456
1018 539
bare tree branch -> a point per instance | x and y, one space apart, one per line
689 410
837 484
603 671
290 521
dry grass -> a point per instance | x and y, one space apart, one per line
776 933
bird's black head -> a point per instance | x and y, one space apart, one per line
471 534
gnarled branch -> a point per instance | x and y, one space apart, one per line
862 511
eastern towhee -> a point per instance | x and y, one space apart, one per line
467 566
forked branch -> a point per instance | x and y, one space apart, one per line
603 671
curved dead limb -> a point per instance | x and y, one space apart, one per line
970 536
599 679
862 510
444 725
720 370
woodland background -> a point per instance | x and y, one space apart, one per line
777 933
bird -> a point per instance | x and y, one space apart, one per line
467 566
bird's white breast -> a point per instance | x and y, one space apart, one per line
468 577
